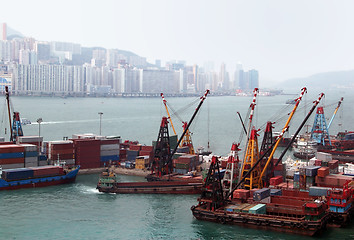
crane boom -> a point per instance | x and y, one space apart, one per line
335 112
168 113
190 122
303 91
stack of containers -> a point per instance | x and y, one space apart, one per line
147 151
122 154
131 155
62 151
333 166
31 155
324 157
35 140
185 163
12 156
311 173
261 194
87 153
302 178
333 180
109 151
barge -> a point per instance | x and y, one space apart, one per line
108 183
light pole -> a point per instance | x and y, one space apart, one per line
100 113
39 121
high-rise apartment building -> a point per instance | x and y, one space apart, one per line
3 31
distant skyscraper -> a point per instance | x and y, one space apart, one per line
253 79
43 51
158 63
3 31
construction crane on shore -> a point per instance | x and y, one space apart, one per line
15 127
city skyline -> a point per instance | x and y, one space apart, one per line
280 39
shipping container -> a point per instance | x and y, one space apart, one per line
312 171
319 191
17 174
12 166
241 194
258 209
47 171
12 161
323 171
325 157
109 158
275 192
276 180
261 194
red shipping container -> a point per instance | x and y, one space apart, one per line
333 164
241 194
276 180
47 171
318 162
145 153
12 148
147 148
109 141
12 160
295 193
323 171
135 147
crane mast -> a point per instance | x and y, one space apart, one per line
335 112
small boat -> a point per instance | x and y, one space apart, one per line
25 121
290 101
18 178
108 183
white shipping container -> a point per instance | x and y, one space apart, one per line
109 152
31 160
326 157
110 147
12 166
29 139
30 147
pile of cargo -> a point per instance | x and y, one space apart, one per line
62 151
185 163
109 151
256 208
31 155
12 156
30 173
87 153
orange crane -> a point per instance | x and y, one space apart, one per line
187 139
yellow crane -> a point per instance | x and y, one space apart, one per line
187 139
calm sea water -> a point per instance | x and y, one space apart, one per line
78 211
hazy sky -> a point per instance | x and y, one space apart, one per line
282 39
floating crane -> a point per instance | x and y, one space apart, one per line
187 140
162 162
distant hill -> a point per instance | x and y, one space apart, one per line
332 80
12 33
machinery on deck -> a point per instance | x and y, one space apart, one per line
15 127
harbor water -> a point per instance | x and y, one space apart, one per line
79 211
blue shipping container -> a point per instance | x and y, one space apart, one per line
17 174
261 194
31 154
11 155
275 192
296 177
109 158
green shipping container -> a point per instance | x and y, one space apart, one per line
258 209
